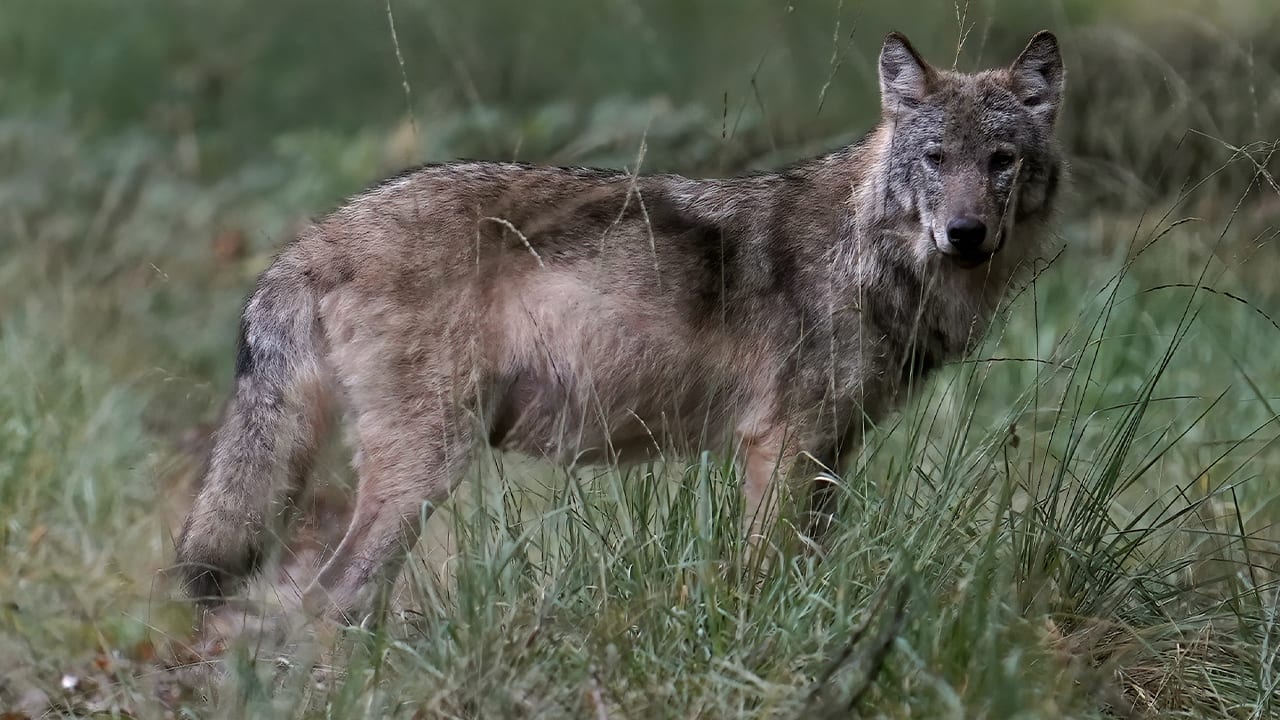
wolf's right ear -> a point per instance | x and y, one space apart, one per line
905 78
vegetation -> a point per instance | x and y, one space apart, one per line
1080 522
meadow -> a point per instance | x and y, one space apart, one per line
1078 521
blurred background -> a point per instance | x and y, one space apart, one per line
155 153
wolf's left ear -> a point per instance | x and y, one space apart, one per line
1036 76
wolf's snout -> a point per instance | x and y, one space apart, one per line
966 234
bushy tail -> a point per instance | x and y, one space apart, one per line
263 449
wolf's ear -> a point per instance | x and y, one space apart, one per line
905 78
1036 76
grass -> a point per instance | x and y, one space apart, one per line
1080 521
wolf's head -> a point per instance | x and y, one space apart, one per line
972 155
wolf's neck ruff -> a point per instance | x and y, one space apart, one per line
590 315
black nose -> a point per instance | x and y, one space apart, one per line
966 233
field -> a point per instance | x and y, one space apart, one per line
1079 521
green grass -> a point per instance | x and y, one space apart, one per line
1078 522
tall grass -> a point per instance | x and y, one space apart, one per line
1079 521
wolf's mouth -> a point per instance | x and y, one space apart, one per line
967 260
970 260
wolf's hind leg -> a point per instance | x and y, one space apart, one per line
412 455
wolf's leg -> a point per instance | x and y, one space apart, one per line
780 481
826 473
414 449
766 460
821 499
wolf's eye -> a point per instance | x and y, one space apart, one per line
933 159
1001 160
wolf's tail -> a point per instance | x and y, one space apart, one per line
271 429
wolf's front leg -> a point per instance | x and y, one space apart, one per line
776 486
764 460
781 481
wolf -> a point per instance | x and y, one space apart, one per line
586 315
